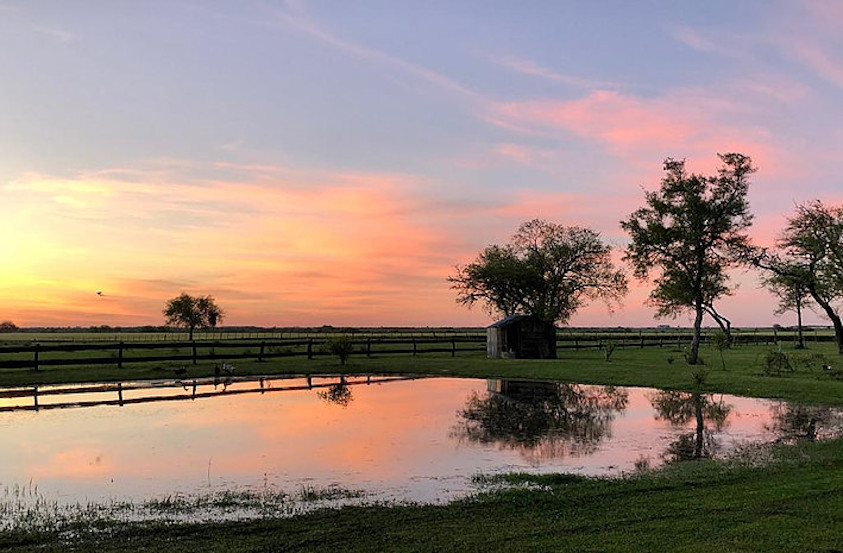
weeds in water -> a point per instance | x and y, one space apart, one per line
24 510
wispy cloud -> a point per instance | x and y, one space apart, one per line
295 16
534 69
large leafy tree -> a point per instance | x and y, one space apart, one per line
192 312
812 252
547 270
690 232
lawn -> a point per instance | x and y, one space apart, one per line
785 498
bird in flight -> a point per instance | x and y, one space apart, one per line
99 292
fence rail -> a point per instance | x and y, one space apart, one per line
38 355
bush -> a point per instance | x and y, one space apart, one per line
775 362
608 350
808 361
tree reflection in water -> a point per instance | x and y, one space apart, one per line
543 420
679 408
339 393
796 422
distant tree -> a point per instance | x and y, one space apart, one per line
341 346
547 270
790 285
192 312
692 231
812 253
8 326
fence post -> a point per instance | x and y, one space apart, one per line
641 336
35 396
453 347
414 345
260 355
120 355
368 347
194 353
35 358
310 348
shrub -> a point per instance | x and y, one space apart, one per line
341 346
775 362
608 350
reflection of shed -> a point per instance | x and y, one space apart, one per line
529 391
521 336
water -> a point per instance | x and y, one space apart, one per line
384 437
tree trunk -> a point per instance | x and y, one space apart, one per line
694 354
724 324
838 330
801 338
190 334
832 315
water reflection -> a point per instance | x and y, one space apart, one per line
795 422
398 438
543 420
338 394
709 416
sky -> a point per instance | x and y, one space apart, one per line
331 162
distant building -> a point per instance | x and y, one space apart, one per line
522 337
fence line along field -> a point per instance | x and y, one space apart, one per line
36 350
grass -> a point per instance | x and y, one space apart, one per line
787 498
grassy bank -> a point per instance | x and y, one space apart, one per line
792 503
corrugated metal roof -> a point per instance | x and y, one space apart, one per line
508 321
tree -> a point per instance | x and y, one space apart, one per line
192 312
8 326
812 247
341 346
790 285
547 270
692 230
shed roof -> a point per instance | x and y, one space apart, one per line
509 320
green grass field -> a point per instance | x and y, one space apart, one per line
789 498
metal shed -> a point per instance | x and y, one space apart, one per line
522 337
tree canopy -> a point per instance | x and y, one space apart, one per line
691 231
547 270
192 312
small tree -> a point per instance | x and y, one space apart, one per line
547 270
8 326
192 312
790 285
692 231
720 341
341 346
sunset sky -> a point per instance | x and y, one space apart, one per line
330 162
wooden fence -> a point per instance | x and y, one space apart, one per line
38 355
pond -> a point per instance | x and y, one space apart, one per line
340 439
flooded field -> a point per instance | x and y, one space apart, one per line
333 439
